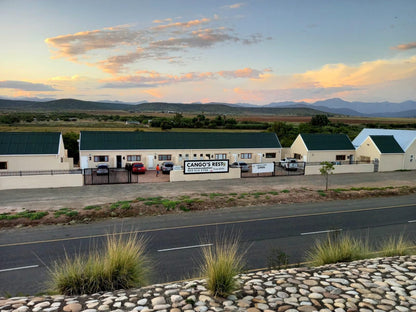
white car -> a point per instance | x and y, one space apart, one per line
289 164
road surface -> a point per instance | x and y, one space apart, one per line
175 240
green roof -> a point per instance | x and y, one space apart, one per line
105 140
327 142
29 143
386 144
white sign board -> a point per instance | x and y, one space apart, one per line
205 166
262 168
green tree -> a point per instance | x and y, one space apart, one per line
71 144
320 120
326 170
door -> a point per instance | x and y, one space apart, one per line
119 161
150 162
84 162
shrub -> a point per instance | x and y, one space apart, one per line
277 259
337 248
395 246
221 263
121 264
65 211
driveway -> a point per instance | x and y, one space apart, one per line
78 197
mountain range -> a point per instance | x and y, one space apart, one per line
334 106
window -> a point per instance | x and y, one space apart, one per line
220 156
165 157
100 158
245 155
3 165
270 155
134 157
340 157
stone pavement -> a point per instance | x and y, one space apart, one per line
379 284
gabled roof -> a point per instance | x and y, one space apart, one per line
386 144
105 140
404 137
29 143
326 142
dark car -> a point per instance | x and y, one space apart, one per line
138 168
102 169
240 164
167 166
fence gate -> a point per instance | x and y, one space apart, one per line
114 176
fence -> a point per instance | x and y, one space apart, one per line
113 176
39 172
278 170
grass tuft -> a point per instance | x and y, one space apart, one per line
32 215
122 264
395 246
220 265
337 248
65 211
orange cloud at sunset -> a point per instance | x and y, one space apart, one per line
366 73
154 92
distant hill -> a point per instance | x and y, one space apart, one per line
212 108
331 106
339 106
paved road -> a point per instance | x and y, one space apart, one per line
78 197
26 253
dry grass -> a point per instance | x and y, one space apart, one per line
396 246
221 263
337 248
122 264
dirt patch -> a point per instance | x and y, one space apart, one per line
149 206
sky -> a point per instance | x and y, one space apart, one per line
186 51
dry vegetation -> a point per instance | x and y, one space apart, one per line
149 206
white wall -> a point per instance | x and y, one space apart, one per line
310 170
41 181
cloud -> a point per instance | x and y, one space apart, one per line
144 79
188 24
407 46
26 86
366 73
73 45
242 73
112 49
234 6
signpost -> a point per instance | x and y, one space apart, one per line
205 166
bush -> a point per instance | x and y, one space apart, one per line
337 248
220 264
122 264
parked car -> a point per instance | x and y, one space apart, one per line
102 169
167 166
289 164
138 168
240 164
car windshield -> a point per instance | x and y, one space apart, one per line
138 165
102 167
168 165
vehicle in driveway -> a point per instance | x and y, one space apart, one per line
167 166
138 168
102 169
240 164
289 164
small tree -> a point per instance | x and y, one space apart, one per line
320 120
326 170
